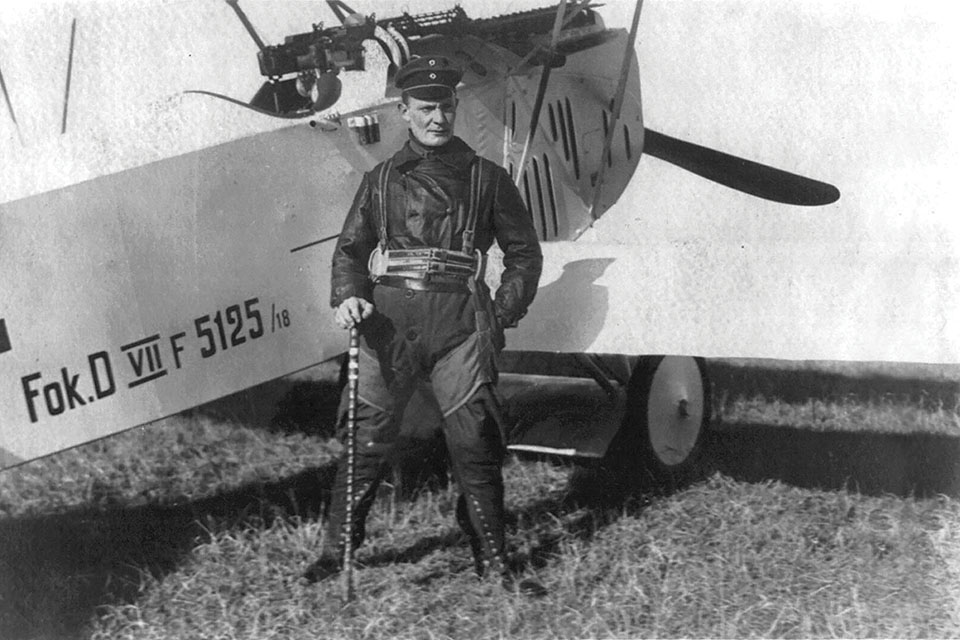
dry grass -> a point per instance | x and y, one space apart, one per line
719 559
876 397
879 415
168 462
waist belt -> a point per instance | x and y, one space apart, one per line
445 285
427 265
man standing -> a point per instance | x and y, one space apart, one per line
408 270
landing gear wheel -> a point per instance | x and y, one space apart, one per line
668 411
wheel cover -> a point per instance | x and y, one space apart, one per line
675 409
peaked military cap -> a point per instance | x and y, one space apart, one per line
429 78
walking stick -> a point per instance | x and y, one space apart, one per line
353 379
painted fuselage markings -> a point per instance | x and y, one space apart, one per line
150 358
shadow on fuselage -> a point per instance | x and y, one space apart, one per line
575 286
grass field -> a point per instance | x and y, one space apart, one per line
827 506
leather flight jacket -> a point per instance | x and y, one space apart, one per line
415 211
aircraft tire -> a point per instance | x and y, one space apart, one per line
668 412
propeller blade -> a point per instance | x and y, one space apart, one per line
737 173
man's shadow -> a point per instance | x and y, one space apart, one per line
57 569
572 309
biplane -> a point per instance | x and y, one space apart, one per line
177 249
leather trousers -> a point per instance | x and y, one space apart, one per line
445 339
473 439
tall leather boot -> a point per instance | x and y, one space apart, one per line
475 444
367 476
463 519
488 543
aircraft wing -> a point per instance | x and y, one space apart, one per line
787 300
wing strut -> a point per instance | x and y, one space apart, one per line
341 10
13 116
617 105
542 89
246 23
66 90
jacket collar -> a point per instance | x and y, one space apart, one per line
457 154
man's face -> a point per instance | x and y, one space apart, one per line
431 122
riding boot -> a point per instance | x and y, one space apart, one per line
368 472
476 455
463 519
489 547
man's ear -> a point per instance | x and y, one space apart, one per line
403 108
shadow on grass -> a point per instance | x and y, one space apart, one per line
578 514
55 570
872 463
289 405
924 386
